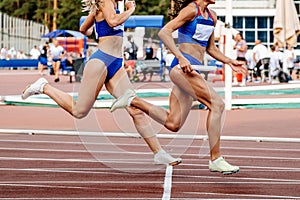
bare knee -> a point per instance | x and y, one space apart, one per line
79 113
173 125
218 106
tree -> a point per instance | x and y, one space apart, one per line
154 7
69 12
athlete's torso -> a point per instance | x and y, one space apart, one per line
110 39
197 31
103 29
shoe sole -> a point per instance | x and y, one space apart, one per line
226 173
177 162
24 92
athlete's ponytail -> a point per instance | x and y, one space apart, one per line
176 6
93 6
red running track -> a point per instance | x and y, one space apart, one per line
44 166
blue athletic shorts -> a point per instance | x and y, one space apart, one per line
190 58
43 60
112 63
56 59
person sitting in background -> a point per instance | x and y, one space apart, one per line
260 57
21 55
250 66
150 52
131 48
274 63
3 53
67 63
289 57
129 66
35 52
11 53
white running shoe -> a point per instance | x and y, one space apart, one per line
220 165
35 88
163 158
122 101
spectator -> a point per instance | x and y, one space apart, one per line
43 58
35 52
274 63
21 55
288 62
129 66
131 48
11 53
250 65
149 55
241 48
150 50
56 53
261 59
67 63
3 53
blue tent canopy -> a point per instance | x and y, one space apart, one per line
63 33
147 21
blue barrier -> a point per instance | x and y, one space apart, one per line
16 63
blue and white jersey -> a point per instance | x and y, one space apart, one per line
102 29
197 31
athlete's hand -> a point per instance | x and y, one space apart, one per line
130 4
185 65
238 67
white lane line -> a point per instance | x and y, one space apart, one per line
16 184
148 153
51 182
142 145
168 176
84 198
100 160
168 183
136 135
242 195
74 151
100 169
118 182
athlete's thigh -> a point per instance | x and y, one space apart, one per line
94 75
119 83
196 86
180 105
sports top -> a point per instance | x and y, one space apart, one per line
197 31
102 29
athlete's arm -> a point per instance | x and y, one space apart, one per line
110 15
165 34
215 52
87 26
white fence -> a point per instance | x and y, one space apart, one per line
19 33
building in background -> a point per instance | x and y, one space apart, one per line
253 18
